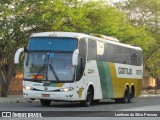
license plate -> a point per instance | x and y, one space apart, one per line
45 95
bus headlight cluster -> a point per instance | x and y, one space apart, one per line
66 89
27 88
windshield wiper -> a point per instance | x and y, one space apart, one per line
51 67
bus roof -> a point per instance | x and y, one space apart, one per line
59 34
81 35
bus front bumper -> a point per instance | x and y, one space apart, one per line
62 96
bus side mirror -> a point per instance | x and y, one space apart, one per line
17 54
75 57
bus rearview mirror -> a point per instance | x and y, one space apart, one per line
17 54
75 57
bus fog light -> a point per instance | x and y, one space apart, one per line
66 89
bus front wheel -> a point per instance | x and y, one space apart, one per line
45 102
89 98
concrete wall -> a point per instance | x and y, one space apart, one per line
15 86
148 83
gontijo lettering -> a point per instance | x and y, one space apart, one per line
127 71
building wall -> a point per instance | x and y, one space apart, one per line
15 86
148 83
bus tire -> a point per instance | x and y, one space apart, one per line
89 98
132 92
45 102
126 98
130 98
131 95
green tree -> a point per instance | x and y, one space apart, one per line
18 20
146 13
21 18
16 23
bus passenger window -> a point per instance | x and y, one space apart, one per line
126 55
139 58
92 49
134 57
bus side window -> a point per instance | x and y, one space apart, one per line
139 58
126 56
92 49
134 57
118 54
109 52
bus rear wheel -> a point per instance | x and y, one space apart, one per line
132 92
127 97
89 98
45 102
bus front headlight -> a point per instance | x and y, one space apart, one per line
27 88
66 89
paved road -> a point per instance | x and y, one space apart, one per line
104 105
101 109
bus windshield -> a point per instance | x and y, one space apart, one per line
53 64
